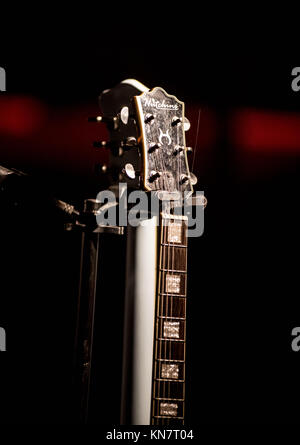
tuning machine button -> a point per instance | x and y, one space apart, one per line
129 171
129 142
178 120
95 119
193 179
154 175
101 144
189 150
177 150
175 121
186 124
101 169
124 115
184 179
153 147
149 118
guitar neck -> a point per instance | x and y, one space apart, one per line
168 388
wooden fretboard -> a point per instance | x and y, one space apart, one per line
168 390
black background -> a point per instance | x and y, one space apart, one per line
243 274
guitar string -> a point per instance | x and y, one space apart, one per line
164 229
172 255
166 184
156 384
196 139
179 172
158 160
183 277
162 306
166 341
171 259
161 184
161 313
166 297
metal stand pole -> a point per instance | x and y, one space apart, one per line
85 320
83 346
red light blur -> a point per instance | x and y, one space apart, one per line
20 116
265 131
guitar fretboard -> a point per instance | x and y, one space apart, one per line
168 393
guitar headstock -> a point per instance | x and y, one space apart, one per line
162 126
147 138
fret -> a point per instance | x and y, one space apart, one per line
167 417
169 360
172 270
175 318
174 245
167 216
170 294
171 339
169 380
165 420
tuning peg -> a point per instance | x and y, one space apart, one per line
112 122
183 179
192 178
129 142
124 115
175 121
101 169
129 171
149 118
153 146
101 144
95 119
189 150
154 175
177 149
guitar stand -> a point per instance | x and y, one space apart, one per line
83 345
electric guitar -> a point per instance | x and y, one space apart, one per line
148 151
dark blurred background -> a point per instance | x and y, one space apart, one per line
243 274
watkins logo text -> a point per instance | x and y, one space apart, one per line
160 105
